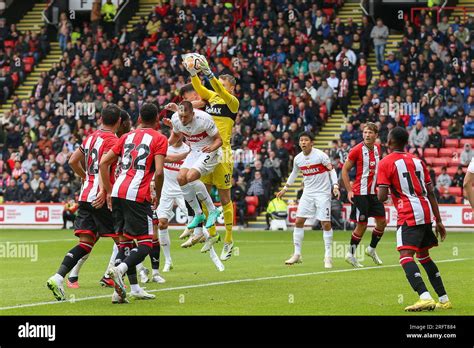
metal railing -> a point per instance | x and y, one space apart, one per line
43 13
122 7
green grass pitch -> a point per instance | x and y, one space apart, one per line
255 282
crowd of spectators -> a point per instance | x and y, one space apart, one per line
426 85
294 65
19 53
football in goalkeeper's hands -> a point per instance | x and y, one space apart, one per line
192 62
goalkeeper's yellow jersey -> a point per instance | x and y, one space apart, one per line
221 105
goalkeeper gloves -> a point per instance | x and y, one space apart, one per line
205 68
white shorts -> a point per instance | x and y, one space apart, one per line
165 208
203 162
318 207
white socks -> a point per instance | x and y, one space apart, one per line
370 249
190 196
444 299
123 268
112 259
202 194
135 287
59 278
204 231
75 271
165 243
298 235
327 236
425 296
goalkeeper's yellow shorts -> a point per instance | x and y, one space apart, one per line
221 177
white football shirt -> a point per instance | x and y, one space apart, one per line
198 132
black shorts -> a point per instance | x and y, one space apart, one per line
419 238
92 221
366 206
132 219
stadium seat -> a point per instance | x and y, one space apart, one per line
451 170
328 11
9 43
445 152
431 152
429 160
437 170
439 162
451 143
456 191
459 200
444 132
466 141
29 60
445 124
454 161
252 204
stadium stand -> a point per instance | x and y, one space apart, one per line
299 67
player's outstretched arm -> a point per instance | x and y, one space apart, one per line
76 161
440 229
346 180
174 137
468 181
170 158
104 171
203 92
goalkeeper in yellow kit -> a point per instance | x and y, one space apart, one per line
223 107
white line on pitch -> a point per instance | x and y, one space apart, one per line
220 283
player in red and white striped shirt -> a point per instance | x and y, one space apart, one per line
362 193
413 196
142 153
92 221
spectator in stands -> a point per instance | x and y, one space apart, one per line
458 178
443 180
379 35
469 125
69 212
11 193
455 129
42 194
325 96
466 154
108 11
26 194
64 31
435 140
418 136
257 187
363 77
34 183
238 197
